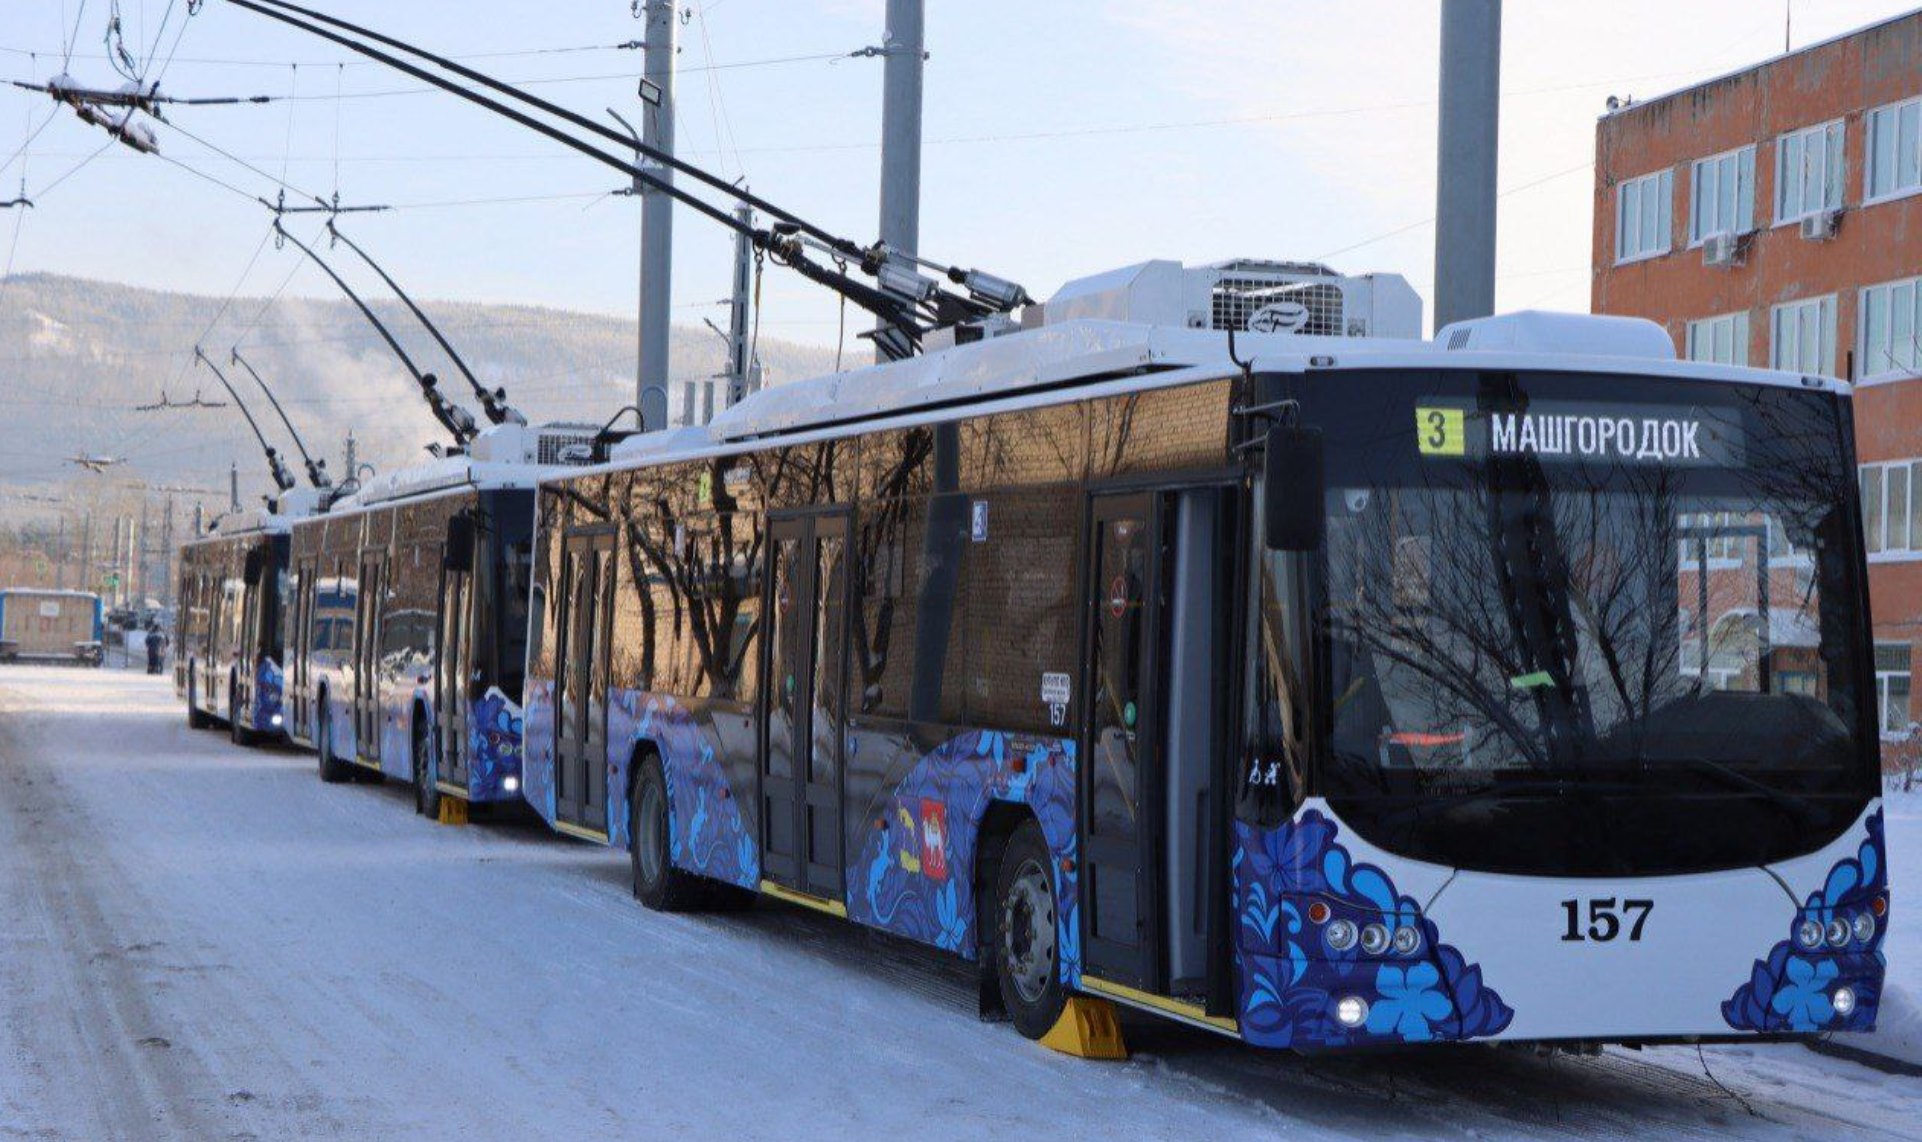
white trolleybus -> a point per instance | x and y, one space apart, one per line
1315 687
408 620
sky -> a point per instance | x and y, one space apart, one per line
1063 137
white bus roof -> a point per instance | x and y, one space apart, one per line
1031 367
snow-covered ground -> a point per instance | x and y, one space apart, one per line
198 942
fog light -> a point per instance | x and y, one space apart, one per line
1407 940
1809 934
1843 1001
511 784
1351 1011
1838 932
1374 939
1341 935
1864 927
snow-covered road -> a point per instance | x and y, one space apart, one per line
198 942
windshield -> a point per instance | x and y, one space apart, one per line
1545 650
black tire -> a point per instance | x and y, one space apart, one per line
238 734
1026 961
332 770
196 720
657 883
426 791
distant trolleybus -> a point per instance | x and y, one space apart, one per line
408 626
1346 692
231 587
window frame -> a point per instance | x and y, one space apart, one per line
1740 331
1744 204
1664 217
1864 351
1869 121
1828 307
1801 135
1882 680
1877 532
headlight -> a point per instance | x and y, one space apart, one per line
511 784
1351 1011
1407 940
275 720
1838 932
1340 935
1864 927
1843 1001
1374 939
1808 934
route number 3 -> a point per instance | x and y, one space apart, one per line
1605 919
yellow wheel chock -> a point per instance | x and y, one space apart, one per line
453 811
1087 1029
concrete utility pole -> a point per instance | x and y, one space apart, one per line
60 555
743 373
1471 67
87 578
233 487
904 50
167 553
657 215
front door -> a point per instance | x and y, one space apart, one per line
803 708
299 676
580 753
367 655
1120 794
453 667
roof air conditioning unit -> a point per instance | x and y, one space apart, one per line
1723 250
1247 295
1821 226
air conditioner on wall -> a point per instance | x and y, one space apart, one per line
1821 226
1721 249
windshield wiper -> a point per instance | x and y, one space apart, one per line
1736 779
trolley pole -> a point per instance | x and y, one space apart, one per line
657 217
904 51
1471 66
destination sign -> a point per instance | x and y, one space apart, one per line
1570 431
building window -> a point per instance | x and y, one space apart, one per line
1892 686
1804 337
1644 215
1891 326
1808 172
1722 196
1894 151
1719 340
1892 506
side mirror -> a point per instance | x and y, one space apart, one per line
1294 490
458 555
250 571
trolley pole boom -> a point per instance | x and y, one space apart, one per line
283 479
316 469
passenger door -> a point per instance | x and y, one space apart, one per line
299 669
453 668
580 722
373 566
803 706
1156 672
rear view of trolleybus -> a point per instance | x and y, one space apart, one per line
1324 690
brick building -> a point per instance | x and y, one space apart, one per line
1773 217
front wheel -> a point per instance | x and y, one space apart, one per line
426 788
1027 959
657 883
332 770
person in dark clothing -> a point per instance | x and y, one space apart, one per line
156 649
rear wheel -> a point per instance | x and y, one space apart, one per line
657 883
1026 956
426 790
332 769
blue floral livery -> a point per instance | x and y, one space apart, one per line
1826 975
1305 912
494 742
268 681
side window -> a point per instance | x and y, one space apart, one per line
1019 585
